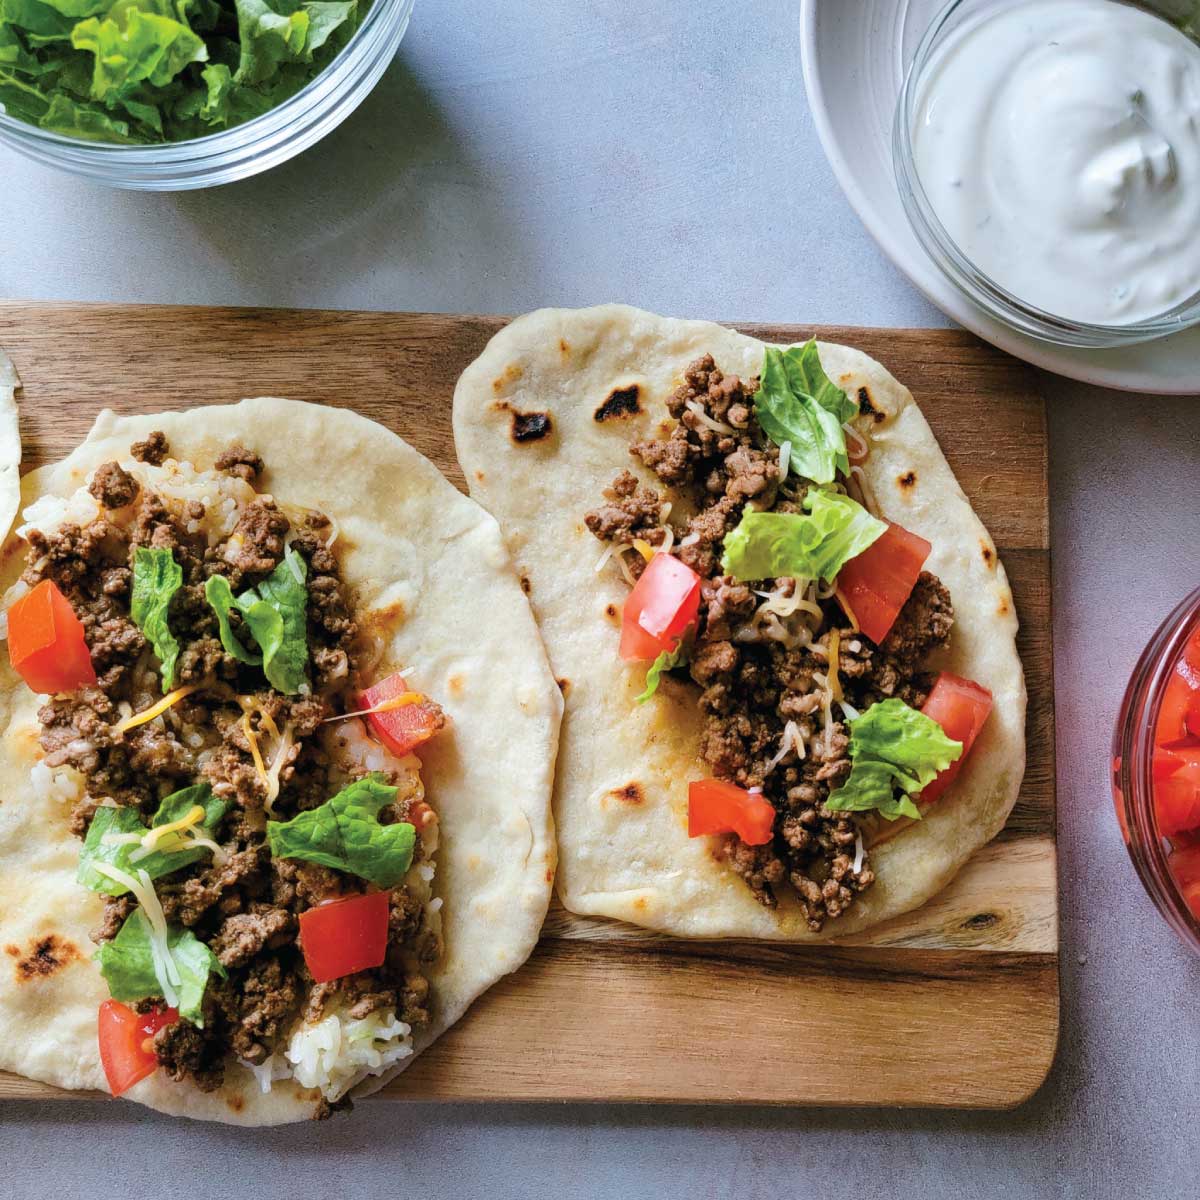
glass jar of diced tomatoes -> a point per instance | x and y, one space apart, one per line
1156 769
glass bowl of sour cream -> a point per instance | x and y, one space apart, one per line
1047 153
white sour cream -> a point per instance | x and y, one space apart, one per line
1058 142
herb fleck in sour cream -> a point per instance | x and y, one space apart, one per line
1058 142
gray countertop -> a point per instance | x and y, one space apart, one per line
575 151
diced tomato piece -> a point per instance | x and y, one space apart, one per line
878 581
1191 718
663 603
46 645
1178 698
341 937
401 729
718 807
1176 775
1184 865
961 707
127 1042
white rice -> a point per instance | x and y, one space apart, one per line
62 785
336 1052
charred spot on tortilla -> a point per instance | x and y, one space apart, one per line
526 426
46 955
530 427
564 348
908 479
610 611
989 555
526 586
621 402
564 685
1002 609
479 476
866 406
630 793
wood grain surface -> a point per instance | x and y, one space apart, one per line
953 1005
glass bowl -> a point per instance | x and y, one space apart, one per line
246 149
976 285
1133 755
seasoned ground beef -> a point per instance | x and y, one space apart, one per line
239 461
242 903
756 675
113 487
186 1052
256 545
154 450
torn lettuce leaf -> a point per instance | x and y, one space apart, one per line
345 833
892 748
668 660
127 964
156 579
811 545
220 598
277 614
138 71
124 821
798 403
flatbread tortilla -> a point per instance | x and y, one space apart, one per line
543 420
10 444
433 566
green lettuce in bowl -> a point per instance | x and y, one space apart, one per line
148 71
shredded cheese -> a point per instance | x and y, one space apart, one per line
858 444
155 710
151 838
841 599
849 712
643 548
785 458
868 492
403 700
835 684
255 752
277 764
859 854
791 740
697 410
155 923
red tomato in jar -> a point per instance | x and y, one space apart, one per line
1176 765
1184 865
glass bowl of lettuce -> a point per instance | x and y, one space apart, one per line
164 95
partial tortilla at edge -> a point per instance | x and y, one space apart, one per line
10 444
431 563
543 421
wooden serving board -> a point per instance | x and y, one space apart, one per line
954 1005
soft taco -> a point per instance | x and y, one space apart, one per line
794 702
278 744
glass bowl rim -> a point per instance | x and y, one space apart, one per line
974 283
237 137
